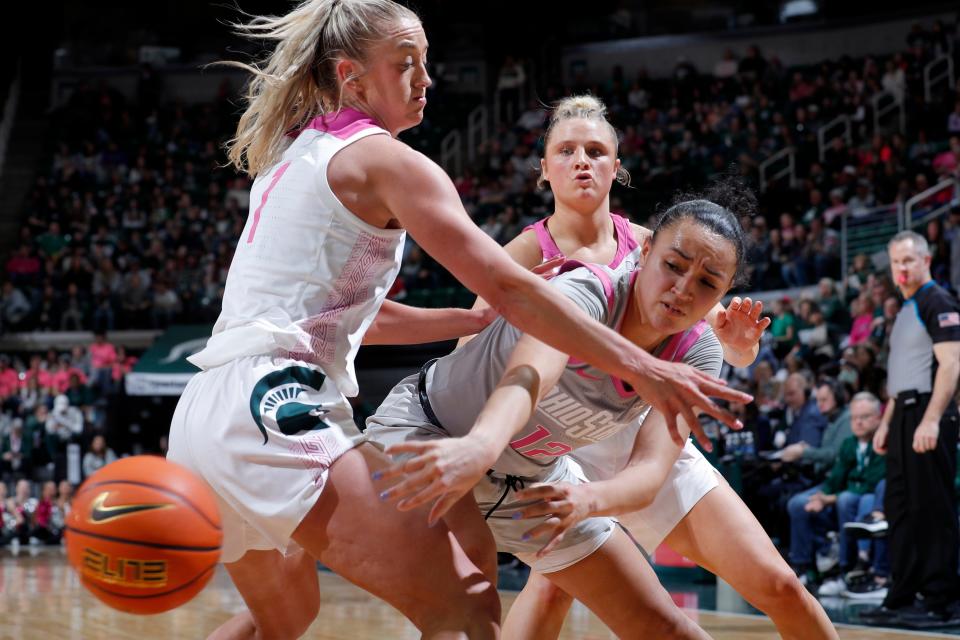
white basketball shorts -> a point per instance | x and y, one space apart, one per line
262 431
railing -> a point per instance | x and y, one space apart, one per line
477 130
451 153
789 170
930 204
868 231
823 141
930 80
892 103
9 115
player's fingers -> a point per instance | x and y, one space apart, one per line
411 446
401 468
409 486
544 528
756 310
721 318
764 323
546 508
746 305
735 304
671 419
550 546
541 491
707 405
697 430
441 507
425 495
707 385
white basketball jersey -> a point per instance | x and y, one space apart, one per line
308 276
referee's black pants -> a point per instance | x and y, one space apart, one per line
921 509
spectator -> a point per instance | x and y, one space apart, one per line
16 452
97 457
953 120
64 425
804 421
102 357
845 496
831 403
784 326
14 308
44 528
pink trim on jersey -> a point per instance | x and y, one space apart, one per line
349 289
570 265
548 247
626 242
263 200
342 124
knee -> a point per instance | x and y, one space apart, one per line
780 590
796 504
548 595
476 616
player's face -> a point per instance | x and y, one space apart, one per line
910 269
687 270
394 84
581 163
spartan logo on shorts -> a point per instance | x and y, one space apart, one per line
288 400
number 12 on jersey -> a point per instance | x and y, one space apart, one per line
534 445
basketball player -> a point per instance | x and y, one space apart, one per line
334 190
695 512
541 408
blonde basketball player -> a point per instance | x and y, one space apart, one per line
334 191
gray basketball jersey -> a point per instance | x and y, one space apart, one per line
586 406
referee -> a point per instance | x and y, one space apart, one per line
919 434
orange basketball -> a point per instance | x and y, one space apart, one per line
144 534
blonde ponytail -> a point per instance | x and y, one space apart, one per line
297 81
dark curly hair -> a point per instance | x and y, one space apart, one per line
719 208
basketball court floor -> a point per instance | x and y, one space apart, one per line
41 598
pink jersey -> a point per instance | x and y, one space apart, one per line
626 242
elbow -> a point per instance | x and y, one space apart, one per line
504 291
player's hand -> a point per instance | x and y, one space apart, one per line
549 268
739 326
925 437
880 439
443 470
676 389
566 504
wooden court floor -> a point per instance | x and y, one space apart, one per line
41 599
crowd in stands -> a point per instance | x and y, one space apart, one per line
54 424
133 224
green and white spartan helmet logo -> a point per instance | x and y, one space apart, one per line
288 400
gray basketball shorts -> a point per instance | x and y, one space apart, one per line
401 418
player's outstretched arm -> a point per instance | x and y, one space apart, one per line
426 203
402 324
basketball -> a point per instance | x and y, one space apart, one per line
144 534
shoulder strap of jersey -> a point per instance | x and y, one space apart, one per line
681 342
626 242
548 247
